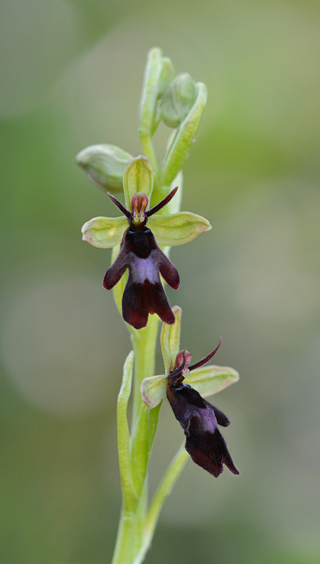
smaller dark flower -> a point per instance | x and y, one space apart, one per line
140 254
198 418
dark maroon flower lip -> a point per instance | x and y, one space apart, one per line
199 418
140 254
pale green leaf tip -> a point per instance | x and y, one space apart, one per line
128 364
176 310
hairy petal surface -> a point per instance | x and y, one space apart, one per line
168 271
143 293
199 420
116 270
141 299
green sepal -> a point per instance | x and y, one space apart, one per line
105 165
174 205
207 381
178 228
181 143
178 99
210 380
160 192
138 177
170 340
153 390
104 232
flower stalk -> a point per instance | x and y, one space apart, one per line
141 238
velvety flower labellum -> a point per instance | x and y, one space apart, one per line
198 418
140 254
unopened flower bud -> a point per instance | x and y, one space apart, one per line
159 73
105 165
178 100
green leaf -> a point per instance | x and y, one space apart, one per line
104 232
128 490
212 379
138 177
160 192
174 205
153 390
170 340
177 229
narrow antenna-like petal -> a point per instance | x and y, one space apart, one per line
120 206
207 358
163 202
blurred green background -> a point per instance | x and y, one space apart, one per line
71 74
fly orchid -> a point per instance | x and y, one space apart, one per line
199 419
140 253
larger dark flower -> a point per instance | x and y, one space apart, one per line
198 418
140 254
139 251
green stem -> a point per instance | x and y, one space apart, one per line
148 150
144 346
123 552
134 454
163 491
